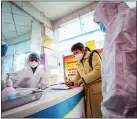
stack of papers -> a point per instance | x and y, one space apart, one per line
61 87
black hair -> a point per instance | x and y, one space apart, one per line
77 46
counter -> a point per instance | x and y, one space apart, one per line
52 104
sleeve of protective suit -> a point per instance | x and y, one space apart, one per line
20 81
77 77
44 82
96 72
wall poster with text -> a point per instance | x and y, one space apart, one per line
70 67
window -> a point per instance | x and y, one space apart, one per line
131 4
21 52
11 50
70 30
22 47
7 64
16 57
77 27
87 23
20 61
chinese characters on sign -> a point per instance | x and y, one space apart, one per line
70 67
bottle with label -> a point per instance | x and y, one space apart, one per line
9 92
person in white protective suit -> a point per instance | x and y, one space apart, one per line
118 21
33 76
4 48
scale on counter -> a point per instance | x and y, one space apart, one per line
24 96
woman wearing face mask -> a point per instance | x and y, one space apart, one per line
90 78
33 76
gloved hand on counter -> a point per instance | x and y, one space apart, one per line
25 82
42 86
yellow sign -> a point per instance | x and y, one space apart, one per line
91 44
47 41
70 67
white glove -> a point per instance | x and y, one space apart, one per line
42 86
24 83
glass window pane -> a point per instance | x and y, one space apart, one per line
70 30
20 61
28 46
98 36
19 48
7 64
131 4
23 47
10 50
88 24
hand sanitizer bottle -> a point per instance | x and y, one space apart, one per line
9 92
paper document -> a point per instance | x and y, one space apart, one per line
61 87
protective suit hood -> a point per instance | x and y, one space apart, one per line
107 10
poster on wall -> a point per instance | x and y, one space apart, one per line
70 67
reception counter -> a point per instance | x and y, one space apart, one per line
52 104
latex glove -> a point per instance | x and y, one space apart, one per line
25 82
42 86
69 83
26 78
79 82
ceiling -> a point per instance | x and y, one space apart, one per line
15 22
56 10
131 4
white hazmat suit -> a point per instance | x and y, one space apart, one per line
28 79
119 59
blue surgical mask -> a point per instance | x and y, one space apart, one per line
102 27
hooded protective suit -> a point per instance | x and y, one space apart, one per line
119 59
4 48
28 79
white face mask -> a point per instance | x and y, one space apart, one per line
33 64
79 56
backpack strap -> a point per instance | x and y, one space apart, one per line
90 57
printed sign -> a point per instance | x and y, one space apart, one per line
70 67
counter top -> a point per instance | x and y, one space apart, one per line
48 99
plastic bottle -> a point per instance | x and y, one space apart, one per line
9 92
